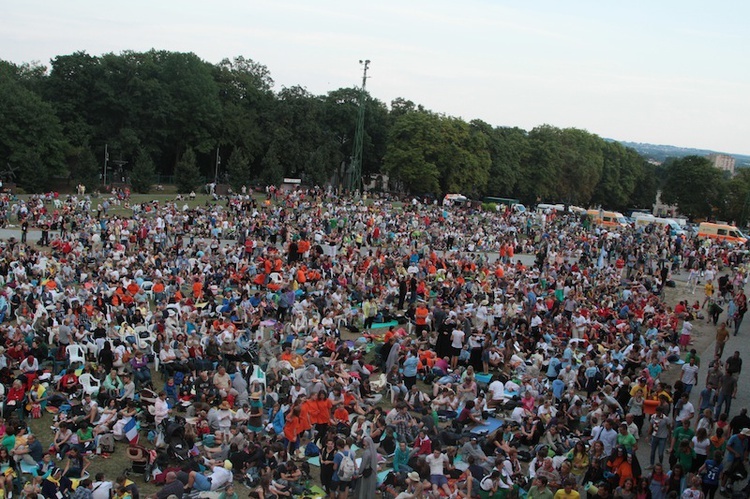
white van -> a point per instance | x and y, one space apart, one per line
644 219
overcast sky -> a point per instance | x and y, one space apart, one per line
665 72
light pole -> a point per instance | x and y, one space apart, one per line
218 162
106 160
355 181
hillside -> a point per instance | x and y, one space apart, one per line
662 152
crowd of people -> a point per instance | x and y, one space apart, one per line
306 343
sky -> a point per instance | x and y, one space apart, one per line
666 72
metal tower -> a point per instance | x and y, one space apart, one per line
355 172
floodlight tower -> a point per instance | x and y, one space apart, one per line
355 179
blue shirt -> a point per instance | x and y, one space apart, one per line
552 370
736 444
558 387
410 367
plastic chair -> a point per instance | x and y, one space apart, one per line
90 384
258 375
76 353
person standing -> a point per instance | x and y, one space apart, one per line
368 471
727 391
24 230
690 374
734 365
722 335
660 428
741 302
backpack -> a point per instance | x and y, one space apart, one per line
346 468
107 443
311 450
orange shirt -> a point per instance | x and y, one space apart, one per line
341 414
421 315
291 428
324 410
304 418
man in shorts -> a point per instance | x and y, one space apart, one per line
438 463
339 487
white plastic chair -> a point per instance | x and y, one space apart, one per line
258 375
76 353
392 392
90 384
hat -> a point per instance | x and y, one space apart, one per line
255 396
746 432
413 476
228 465
224 405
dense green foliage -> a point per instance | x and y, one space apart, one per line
187 177
143 175
165 113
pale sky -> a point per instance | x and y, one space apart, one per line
664 72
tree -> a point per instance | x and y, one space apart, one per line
509 149
272 172
412 153
187 176
31 138
143 174
238 168
84 169
736 198
694 185
463 158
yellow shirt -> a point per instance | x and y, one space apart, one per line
561 494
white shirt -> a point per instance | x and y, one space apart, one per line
161 410
498 389
436 464
690 374
457 338
220 477
687 411
101 490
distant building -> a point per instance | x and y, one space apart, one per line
723 162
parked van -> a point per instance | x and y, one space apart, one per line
644 219
544 208
721 232
608 218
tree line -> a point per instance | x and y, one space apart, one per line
169 113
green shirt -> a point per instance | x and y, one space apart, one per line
9 442
681 433
85 435
535 493
627 440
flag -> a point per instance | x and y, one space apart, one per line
131 431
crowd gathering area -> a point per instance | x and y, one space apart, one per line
305 344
